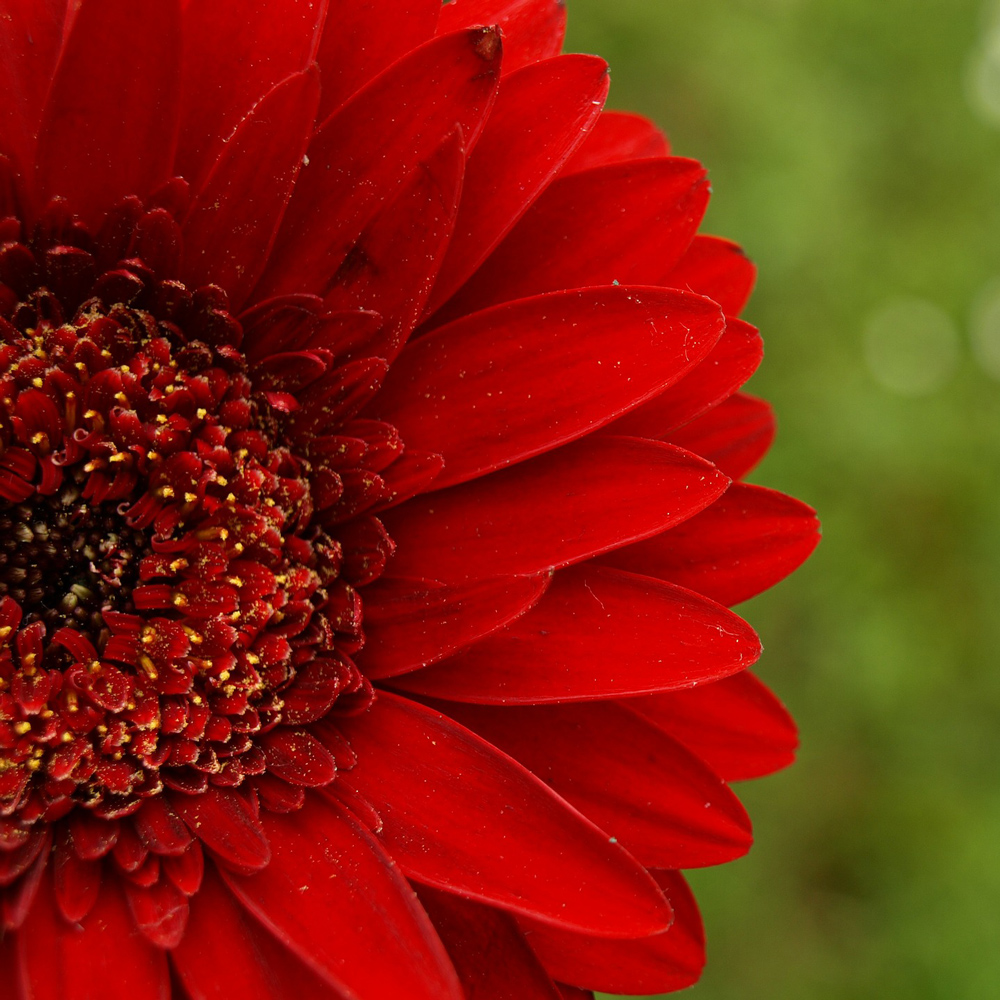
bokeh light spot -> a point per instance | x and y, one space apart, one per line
911 346
984 328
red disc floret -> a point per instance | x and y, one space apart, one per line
172 610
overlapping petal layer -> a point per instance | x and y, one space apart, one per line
370 457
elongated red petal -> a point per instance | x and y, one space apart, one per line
481 392
553 510
727 366
404 113
227 71
30 36
658 964
541 115
626 223
499 835
109 125
227 953
736 725
233 221
574 992
64 961
596 633
617 136
717 268
393 265
334 898
488 950
160 911
532 29
390 29
410 624
666 807
734 436
222 820
745 542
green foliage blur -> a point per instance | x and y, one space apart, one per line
854 148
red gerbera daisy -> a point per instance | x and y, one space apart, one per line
370 448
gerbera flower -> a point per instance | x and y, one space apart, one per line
370 448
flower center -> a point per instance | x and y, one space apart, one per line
64 561
170 603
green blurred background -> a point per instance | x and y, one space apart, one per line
854 149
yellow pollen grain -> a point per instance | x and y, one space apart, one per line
33 764
201 413
22 727
118 456
190 497
224 676
253 658
180 601
161 418
37 382
222 481
67 737
122 398
167 492
178 564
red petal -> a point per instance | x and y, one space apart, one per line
76 882
226 953
461 816
596 633
728 365
663 804
659 964
160 911
9 971
105 957
627 223
233 221
393 265
481 390
734 436
409 624
559 508
574 993
361 155
735 725
235 52
297 757
717 268
223 822
30 35
532 29
412 473
541 115
617 136
336 900
108 129
389 28
744 543
489 952
160 828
